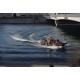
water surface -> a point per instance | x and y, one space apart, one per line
17 53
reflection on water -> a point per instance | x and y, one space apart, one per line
74 31
17 53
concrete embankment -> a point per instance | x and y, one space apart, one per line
24 20
32 20
21 20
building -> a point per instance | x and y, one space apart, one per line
5 15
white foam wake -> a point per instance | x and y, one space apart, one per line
20 38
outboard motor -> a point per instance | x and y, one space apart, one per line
63 44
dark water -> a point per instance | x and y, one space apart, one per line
17 53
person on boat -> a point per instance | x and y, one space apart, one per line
52 41
58 43
44 41
49 41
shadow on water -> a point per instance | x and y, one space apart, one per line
73 30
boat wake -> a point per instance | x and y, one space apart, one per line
18 37
36 43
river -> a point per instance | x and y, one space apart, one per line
18 53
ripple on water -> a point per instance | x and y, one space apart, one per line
16 49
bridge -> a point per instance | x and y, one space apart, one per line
70 16
67 18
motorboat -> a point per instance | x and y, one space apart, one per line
52 43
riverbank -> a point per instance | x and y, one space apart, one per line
32 20
21 20
26 20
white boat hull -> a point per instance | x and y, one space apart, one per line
49 47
